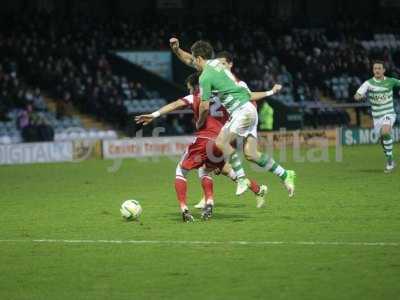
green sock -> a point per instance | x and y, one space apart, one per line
387 143
236 164
269 163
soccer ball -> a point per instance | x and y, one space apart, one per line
130 209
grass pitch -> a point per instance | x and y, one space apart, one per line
338 239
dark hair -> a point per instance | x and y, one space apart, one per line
379 62
225 54
193 79
202 49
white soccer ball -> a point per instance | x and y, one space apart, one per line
131 209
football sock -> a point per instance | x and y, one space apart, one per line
387 143
208 189
232 175
181 187
236 164
181 190
254 187
269 164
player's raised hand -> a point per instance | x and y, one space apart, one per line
144 119
277 88
174 43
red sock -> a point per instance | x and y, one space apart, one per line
181 189
254 187
208 188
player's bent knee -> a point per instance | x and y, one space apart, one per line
181 171
203 171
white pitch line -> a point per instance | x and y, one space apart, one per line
171 242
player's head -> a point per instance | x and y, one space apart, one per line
226 59
201 52
378 68
192 82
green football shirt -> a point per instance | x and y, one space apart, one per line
217 80
380 95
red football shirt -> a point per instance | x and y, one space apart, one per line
217 116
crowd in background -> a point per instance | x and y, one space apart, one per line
27 103
69 61
304 60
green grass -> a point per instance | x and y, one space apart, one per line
351 201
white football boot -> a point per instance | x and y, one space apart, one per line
389 167
242 186
201 203
260 197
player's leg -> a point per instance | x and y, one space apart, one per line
223 142
207 185
259 190
181 192
192 159
195 158
385 126
208 190
267 162
215 161
387 142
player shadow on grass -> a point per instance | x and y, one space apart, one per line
370 171
234 217
231 205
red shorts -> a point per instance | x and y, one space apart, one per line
202 152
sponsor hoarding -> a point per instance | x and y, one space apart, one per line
27 153
146 147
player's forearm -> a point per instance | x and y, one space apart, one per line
255 96
169 108
184 56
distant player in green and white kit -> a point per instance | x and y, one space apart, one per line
235 98
379 92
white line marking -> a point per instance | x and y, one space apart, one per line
170 242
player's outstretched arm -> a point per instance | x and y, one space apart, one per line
183 56
147 119
255 96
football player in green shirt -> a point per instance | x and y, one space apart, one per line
216 79
379 92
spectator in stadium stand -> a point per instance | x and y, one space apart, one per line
4 105
44 132
38 101
27 131
266 117
301 59
64 106
140 91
